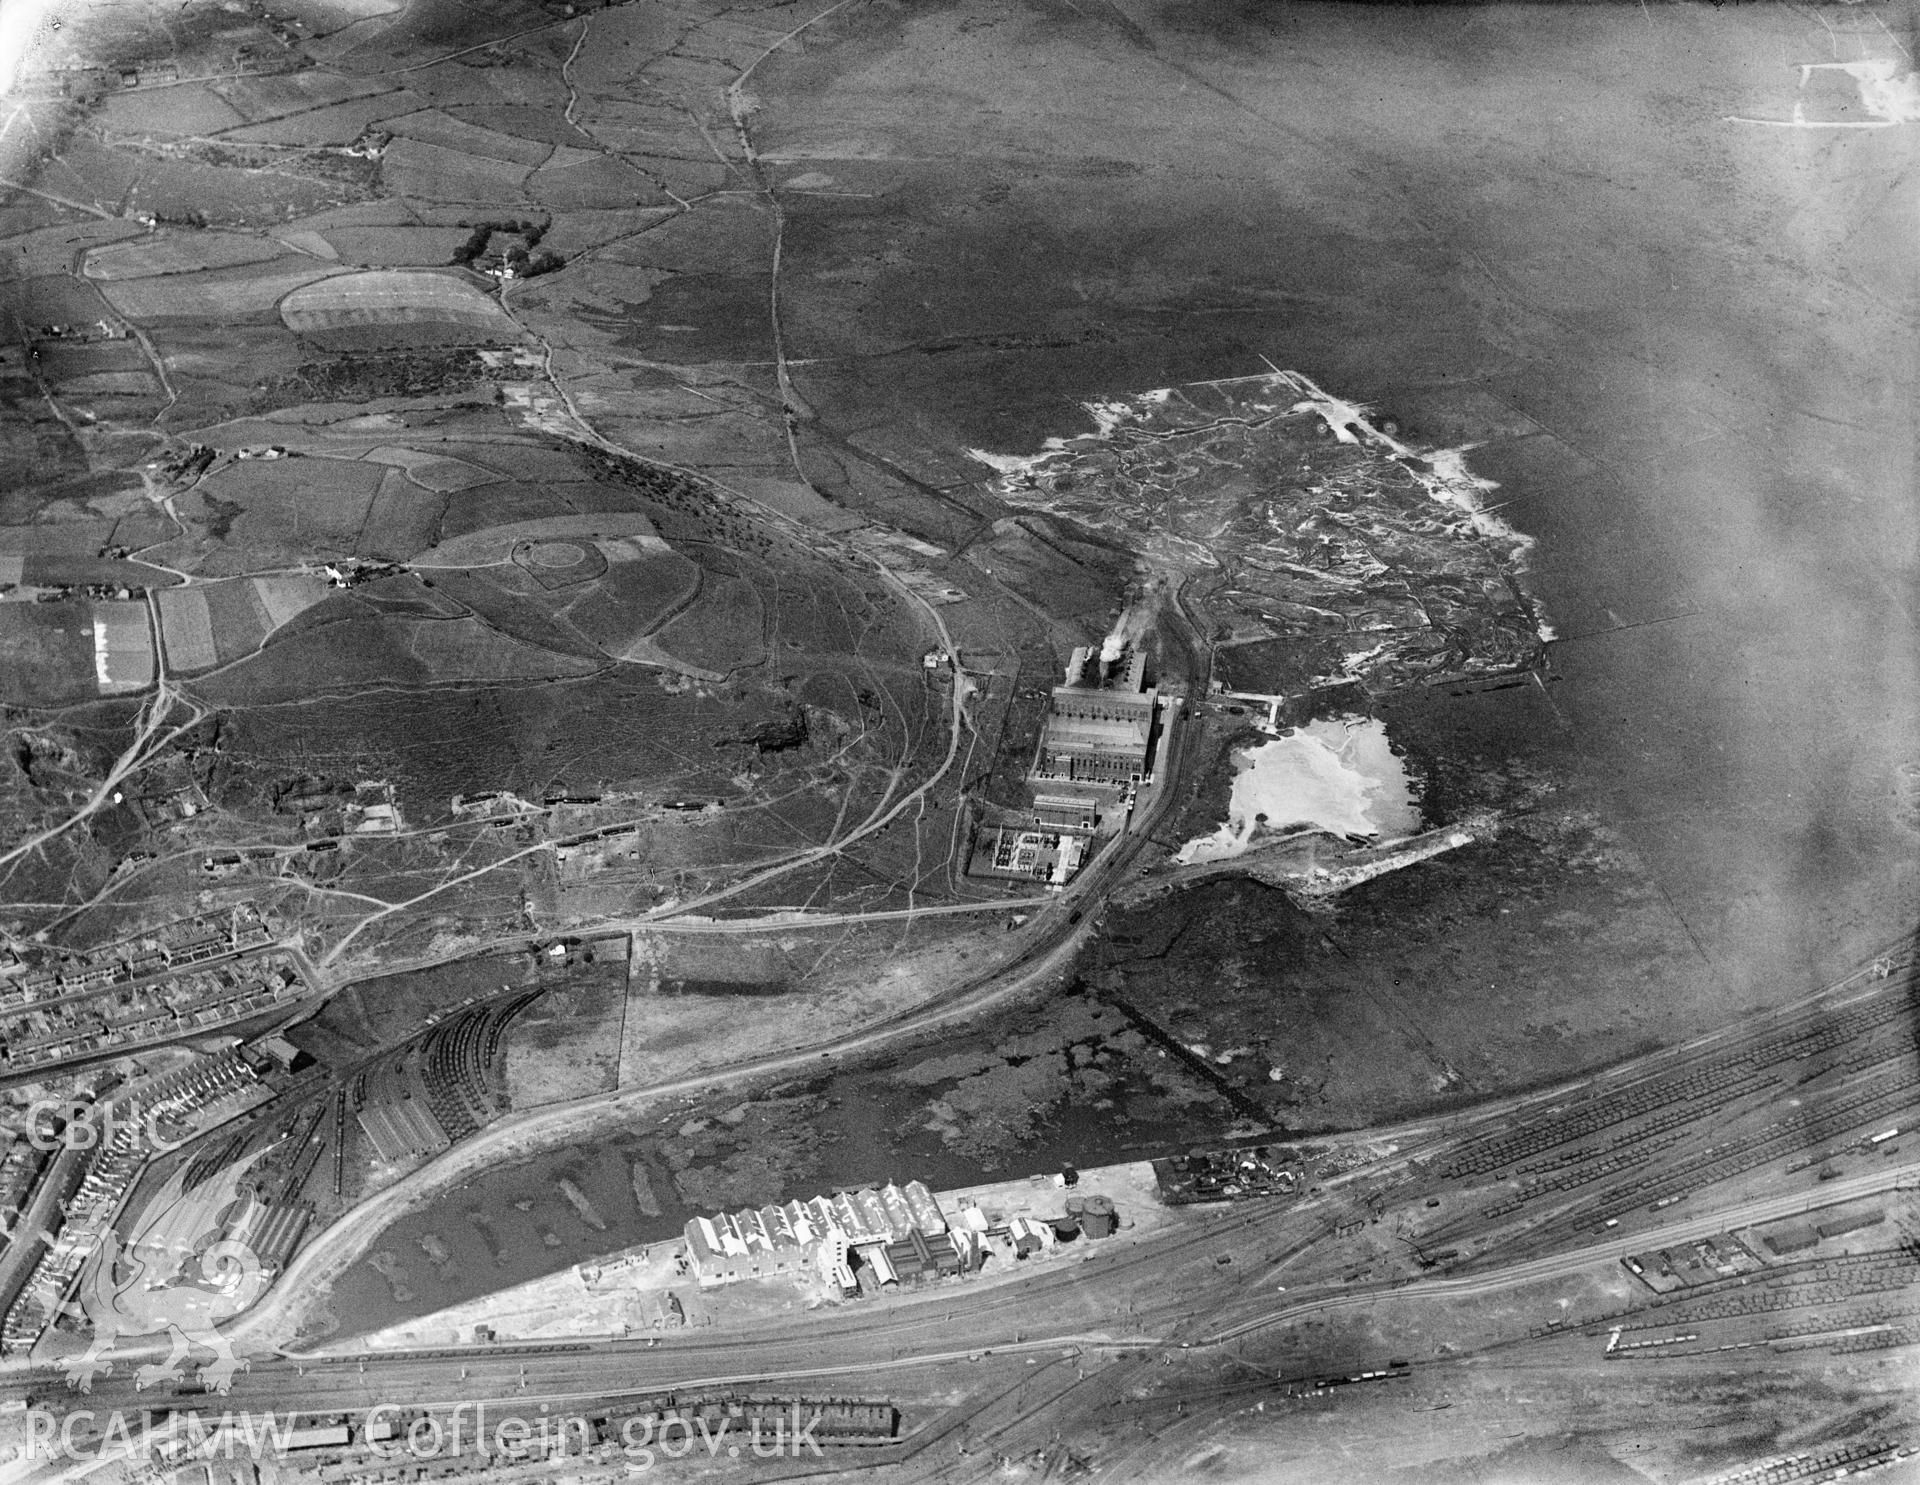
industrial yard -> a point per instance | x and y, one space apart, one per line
659 1288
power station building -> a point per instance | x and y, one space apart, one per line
1096 749
1099 727
1093 755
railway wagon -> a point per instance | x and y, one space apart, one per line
839 1420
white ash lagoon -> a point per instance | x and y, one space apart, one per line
1336 775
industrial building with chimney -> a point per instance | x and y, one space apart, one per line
1099 727
1095 752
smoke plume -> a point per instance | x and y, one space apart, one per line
1133 625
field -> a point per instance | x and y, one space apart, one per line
428 172
395 304
92 173
211 296
505 507
70 541
522 122
524 459
576 584
35 445
704 242
337 124
286 597
58 249
182 252
396 247
495 542
55 298
402 521
723 631
433 471
25 215
122 647
521 615
793 500
660 135
186 631
49 649
259 98
290 510
215 367
598 183
633 600
441 130
183 110
213 193
97 384
216 623
72 563
465 651
238 617
574 232
380 212
353 649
